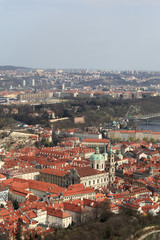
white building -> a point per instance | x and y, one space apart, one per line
58 218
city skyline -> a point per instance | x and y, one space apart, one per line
80 34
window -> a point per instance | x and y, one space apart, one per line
89 182
93 181
72 181
104 179
102 165
92 165
97 180
97 166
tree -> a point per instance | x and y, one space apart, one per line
102 212
46 143
146 139
15 204
152 140
19 229
131 139
4 235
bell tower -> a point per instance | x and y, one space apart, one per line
110 166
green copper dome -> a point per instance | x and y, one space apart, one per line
114 123
96 155
120 155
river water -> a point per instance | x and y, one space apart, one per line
153 125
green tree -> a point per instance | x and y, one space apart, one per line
46 143
131 139
146 139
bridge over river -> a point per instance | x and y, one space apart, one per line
145 117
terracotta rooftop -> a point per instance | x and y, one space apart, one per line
87 171
57 213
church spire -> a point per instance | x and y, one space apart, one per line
97 150
110 152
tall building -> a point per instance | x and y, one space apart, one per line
23 83
102 162
110 166
32 82
63 86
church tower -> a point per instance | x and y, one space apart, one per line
97 160
110 166
105 154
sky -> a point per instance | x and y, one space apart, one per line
89 34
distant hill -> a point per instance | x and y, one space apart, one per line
8 67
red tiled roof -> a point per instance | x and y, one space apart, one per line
31 214
94 140
87 171
74 208
2 176
53 172
57 213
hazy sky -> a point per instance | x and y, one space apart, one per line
104 34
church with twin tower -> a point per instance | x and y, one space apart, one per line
104 162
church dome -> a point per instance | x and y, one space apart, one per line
119 155
114 123
96 155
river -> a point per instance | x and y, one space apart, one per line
153 125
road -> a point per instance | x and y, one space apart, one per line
147 234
